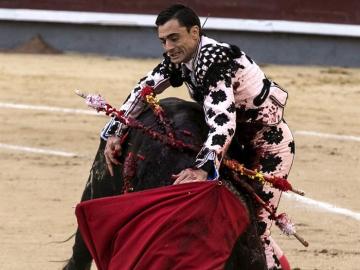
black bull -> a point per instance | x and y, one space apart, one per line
154 168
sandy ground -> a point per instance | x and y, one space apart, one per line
38 191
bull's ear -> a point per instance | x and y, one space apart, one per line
176 79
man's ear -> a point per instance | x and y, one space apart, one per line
195 32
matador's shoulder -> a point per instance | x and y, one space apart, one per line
215 60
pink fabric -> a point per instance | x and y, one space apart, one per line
187 226
282 150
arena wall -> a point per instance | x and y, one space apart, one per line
330 11
282 32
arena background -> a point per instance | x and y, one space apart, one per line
280 31
49 138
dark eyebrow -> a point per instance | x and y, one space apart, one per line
170 36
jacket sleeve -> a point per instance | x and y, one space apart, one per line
220 116
159 79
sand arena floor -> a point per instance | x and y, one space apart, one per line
38 191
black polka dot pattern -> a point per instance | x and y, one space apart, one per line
266 196
231 108
150 82
212 130
292 147
269 163
218 96
218 139
136 89
221 119
210 113
142 79
274 135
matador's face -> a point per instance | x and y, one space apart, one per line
179 43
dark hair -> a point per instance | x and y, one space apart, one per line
185 15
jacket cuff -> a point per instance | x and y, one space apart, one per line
210 168
206 160
109 129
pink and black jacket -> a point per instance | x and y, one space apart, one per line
227 83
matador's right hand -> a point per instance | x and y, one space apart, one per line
112 152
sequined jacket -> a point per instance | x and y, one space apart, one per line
227 83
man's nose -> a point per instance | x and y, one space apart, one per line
168 46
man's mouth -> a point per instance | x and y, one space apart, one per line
174 55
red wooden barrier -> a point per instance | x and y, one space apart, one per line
331 11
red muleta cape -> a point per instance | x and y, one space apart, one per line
186 226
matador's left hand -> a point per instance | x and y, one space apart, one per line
190 175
